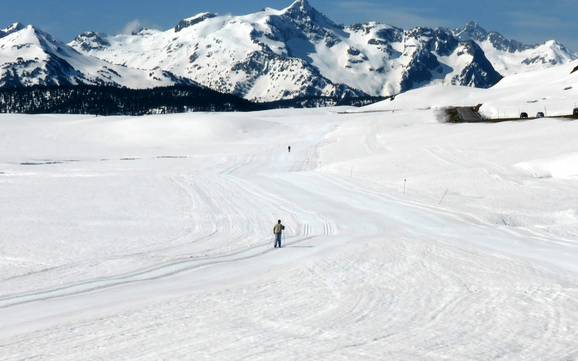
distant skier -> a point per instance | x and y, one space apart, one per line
278 232
289 149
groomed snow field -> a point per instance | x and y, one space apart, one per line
407 238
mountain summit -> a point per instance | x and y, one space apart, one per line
301 9
11 29
33 57
510 56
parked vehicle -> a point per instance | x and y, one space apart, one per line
524 115
575 113
540 115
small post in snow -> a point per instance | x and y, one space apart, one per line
444 196
404 184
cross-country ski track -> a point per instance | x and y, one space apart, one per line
367 272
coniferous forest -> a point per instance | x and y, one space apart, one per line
108 100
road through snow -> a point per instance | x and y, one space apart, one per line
368 273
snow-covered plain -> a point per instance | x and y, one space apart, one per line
407 239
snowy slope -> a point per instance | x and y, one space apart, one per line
29 56
297 51
149 238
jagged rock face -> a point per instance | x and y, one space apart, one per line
185 23
479 73
473 31
425 66
437 52
420 70
309 22
11 29
439 41
90 41
52 71
33 57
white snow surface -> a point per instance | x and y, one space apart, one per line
150 238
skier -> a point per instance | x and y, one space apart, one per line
278 232
289 148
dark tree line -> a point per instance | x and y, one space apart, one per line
108 100
315 102
105 100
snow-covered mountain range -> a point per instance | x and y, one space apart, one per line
29 56
276 54
511 57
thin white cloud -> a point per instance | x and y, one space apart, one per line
136 25
132 26
538 21
398 16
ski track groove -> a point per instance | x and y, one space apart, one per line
215 203
360 303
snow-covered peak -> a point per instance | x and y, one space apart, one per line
471 31
299 6
19 34
11 29
513 57
14 27
301 12
555 44
185 23
33 43
144 31
90 41
30 56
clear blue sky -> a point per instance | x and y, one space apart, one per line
526 20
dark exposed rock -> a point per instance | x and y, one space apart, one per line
185 23
419 70
11 29
473 31
479 73
91 41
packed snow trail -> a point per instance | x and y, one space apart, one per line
366 274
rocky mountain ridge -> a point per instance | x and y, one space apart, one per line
273 55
